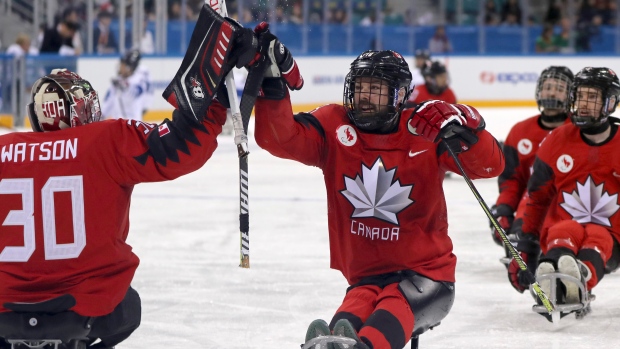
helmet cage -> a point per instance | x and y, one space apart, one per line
560 74
76 103
383 67
605 82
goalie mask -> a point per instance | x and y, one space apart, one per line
594 96
553 93
375 90
61 100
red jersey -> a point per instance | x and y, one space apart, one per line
420 94
64 204
520 149
574 180
386 206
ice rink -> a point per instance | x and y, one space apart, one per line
194 295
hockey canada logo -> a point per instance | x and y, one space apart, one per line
565 163
525 146
196 88
346 135
589 204
376 194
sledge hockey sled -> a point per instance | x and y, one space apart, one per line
561 309
45 325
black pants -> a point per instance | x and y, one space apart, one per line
118 325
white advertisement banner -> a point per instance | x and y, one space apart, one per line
481 81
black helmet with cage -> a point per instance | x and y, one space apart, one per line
595 89
430 71
552 93
62 99
386 71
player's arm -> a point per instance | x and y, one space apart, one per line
297 137
541 192
461 128
183 144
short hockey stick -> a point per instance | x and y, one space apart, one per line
513 251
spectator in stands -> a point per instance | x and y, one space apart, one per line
586 31
562 39
59 39
554 12
339 16
511 12
296 14
70 14
491 17
545 43
439 42
21 47
104 39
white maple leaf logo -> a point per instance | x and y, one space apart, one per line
375 194
589 204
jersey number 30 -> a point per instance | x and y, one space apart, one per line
25 218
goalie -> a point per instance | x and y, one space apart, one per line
101 163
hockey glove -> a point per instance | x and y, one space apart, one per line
216 46
455 124
529 249
504 215
283 71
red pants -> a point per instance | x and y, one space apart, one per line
578 237
386 315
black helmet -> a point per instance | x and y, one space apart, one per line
429 71
604 80
131 59
387 68
559 102
422 53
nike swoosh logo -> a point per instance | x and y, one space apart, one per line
616 174
412 154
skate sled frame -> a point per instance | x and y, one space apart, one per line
45 325
581 309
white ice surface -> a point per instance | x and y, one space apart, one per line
194 295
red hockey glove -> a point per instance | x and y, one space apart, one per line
456 124
504 215
529 249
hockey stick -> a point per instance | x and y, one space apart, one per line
513 251
240 114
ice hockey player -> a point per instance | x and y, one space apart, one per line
75 175
436 85
419 60
572 209
521 144
383 169
131 92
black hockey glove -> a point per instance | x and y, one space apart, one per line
216 46
283 71
504 215
529 249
